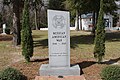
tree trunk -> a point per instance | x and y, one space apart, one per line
95 18
97 14
3 14
39 13
80 22
36 25
93 23
14 30
77 21
16 23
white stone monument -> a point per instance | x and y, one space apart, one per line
59 46
4 27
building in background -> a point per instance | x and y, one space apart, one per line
87 20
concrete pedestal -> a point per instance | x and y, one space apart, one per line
45 70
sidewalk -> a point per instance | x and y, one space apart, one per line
60 78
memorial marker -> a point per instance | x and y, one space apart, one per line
59 45
4 27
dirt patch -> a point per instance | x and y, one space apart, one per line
30 69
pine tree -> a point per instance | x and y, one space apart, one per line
99 48
27 40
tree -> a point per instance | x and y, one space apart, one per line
110 6
6 13
27 40
99 48
94 6
56 4
16 27
35 5
17 6
76 6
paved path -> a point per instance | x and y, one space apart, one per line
60 78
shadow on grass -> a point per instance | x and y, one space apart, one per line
43 43
81 39
39 60
84 64
111 61
24 77
112 37
75 40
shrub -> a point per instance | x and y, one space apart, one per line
11 74
27 40
99 48
111 73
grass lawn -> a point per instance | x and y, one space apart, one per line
81 53
8 54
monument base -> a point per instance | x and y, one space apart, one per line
45 70
3 34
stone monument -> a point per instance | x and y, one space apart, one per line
59 46
4 27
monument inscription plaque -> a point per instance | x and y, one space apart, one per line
59 46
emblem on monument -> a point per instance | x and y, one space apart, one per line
58 21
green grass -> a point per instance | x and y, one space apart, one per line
82 46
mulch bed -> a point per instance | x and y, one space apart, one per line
5 37
89 68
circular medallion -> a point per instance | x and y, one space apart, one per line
58 21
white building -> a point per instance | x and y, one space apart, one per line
88 18
108 21
86 22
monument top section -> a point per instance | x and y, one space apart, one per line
59 38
